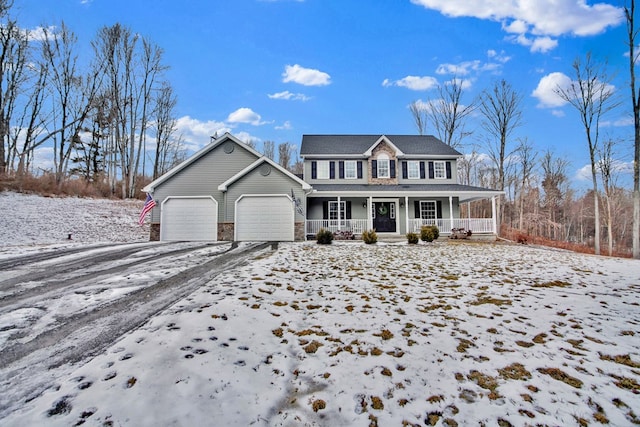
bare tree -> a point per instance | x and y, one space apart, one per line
607 167
501 111
632 33
269 149
285 154
554 181
527 160
164 126
14 45
72 94
419 113
448 114
591 94
132 65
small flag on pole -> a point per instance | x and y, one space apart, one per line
148 205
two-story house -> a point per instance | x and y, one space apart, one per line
390 183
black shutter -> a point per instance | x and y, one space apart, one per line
325 210
374 168
341 170
448 165
359 170
439 209
347 210
392 164
332 170
431 172
422 174
314 170
416 207
405 173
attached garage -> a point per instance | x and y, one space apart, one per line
264 218
189 218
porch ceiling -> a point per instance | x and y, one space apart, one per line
465 193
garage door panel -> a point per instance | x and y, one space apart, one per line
264 218
189 218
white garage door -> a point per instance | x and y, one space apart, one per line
264 218
189 218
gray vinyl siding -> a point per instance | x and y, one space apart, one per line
203 177
426 180
254 183
307 172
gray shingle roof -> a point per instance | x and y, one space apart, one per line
320 145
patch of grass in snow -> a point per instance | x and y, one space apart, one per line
626 383
623 359
486 382
552 284
490 300
515 371
560 375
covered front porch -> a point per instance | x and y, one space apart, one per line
395 215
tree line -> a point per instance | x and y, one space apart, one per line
538 198
100 115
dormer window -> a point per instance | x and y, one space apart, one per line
383 166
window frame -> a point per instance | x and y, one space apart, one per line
383 159
425 210
348 164
333 209
322 169
413 166
439 169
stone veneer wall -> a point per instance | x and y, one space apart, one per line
383 147
226 231
154 232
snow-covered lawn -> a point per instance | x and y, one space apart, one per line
444 334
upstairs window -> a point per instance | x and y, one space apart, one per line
439 170
383 166
413 169
350 169
323 169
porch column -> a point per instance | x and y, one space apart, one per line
493 215
450 212
369 217
339 214
406 214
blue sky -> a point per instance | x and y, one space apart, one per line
278 69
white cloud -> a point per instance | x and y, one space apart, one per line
40 34
536 44
538 18
467 67
305 76
285 126
245 115
413 82
547 87
286 95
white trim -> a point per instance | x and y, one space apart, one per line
149 188
378 142
244 196
225 185
163 213
390 200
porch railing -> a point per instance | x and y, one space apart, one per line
356 226
476 225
